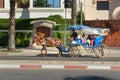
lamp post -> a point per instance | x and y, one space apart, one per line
67 4
65 25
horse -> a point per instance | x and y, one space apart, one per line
48 42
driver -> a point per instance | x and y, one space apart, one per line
73 35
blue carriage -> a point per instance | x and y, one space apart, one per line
77 47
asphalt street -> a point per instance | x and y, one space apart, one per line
58 74
55 58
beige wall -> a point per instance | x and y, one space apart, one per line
91 13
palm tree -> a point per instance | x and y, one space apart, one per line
74 12
11 33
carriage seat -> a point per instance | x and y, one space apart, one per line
98 40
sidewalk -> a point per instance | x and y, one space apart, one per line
28 51
114 52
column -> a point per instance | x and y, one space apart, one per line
31 3
6 4
62 3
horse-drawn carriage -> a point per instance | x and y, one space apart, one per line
77 46
98 48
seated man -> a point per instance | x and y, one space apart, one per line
88 39
73 36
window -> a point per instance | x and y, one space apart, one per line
46 3
1 3
102 5
21 5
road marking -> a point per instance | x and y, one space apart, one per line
98 67
9 66
53 66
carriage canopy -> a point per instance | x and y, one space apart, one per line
89 30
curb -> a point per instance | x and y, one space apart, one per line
82 67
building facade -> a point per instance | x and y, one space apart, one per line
93 9
101 9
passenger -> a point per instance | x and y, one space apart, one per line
88 39
92 40
83 38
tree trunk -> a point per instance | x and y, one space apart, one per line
11 33
74 12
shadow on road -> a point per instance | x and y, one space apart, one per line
88 78
67 56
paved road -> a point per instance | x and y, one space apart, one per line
54 74
55 58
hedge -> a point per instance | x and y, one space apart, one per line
24 24
23 39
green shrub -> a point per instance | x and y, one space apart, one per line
79 17
60 21
55 16
23 39
4 24
3 39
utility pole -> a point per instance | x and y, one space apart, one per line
65 6
65 27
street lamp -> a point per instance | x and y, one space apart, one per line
67 4
65 28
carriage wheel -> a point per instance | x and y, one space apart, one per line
97 51
106 50
101 51
89 50
74 51
71 51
